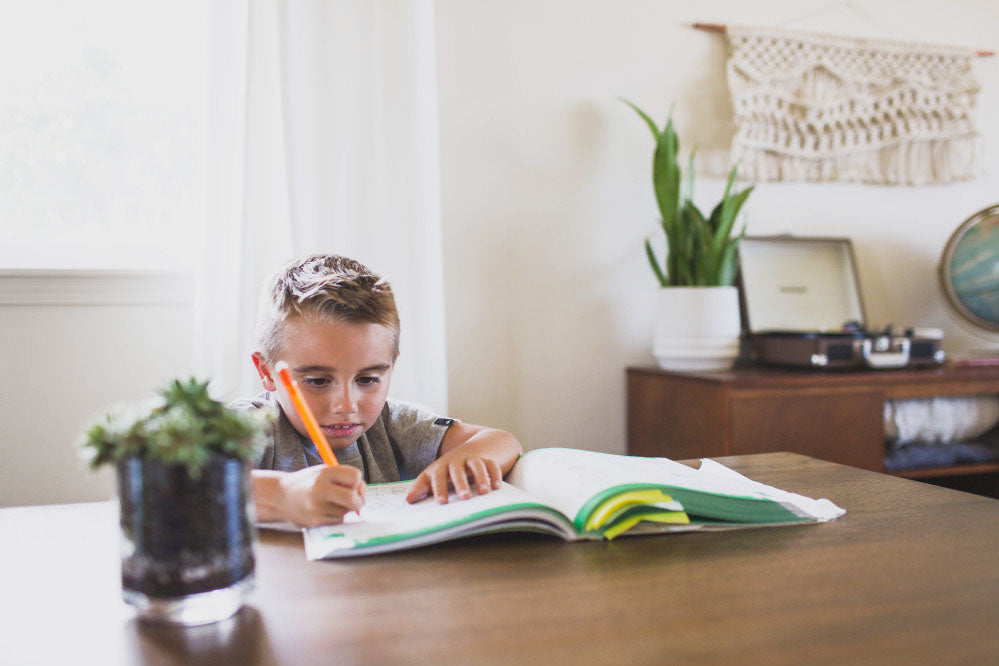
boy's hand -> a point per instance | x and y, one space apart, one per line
461 469
320 495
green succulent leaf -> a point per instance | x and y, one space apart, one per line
648 121
654 262
186 427
688 180
729 263
666 174
725 213
699 244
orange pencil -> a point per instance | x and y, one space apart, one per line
318 438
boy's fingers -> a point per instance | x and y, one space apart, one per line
334 514
495 473
459 478
343 499
342 486
343 476
420 489
324 513
481 474
438 484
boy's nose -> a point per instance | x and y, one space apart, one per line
344 401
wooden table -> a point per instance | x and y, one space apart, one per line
909 574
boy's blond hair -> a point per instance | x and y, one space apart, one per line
327 287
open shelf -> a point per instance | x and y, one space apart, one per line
835 416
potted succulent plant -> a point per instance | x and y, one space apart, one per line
186 513
697 323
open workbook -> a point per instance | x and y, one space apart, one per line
573 494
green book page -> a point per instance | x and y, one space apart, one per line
576 482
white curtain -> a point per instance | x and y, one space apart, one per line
323 139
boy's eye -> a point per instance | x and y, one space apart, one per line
368 381
316 382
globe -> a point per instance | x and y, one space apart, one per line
969 269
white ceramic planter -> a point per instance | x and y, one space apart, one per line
697 328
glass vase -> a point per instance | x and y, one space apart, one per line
186 540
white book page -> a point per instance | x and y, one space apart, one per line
387 513
820 509
567 479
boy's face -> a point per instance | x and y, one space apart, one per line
343 370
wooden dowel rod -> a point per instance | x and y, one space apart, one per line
711 27
721 27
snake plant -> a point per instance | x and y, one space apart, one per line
700 251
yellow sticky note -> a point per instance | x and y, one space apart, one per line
613 505
677 517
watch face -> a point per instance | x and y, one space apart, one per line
969 269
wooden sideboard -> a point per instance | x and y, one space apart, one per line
832 415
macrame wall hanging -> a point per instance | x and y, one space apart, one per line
811 107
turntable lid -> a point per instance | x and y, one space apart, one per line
799 284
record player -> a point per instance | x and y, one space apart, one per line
801 306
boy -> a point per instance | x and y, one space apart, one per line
335 323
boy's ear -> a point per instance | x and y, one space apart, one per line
266 378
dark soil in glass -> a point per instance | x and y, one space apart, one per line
183 535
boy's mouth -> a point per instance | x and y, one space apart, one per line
340 429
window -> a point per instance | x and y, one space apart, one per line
103 122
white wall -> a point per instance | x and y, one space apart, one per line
546 200
547 195
74 344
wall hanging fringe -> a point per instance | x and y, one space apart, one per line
813 107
